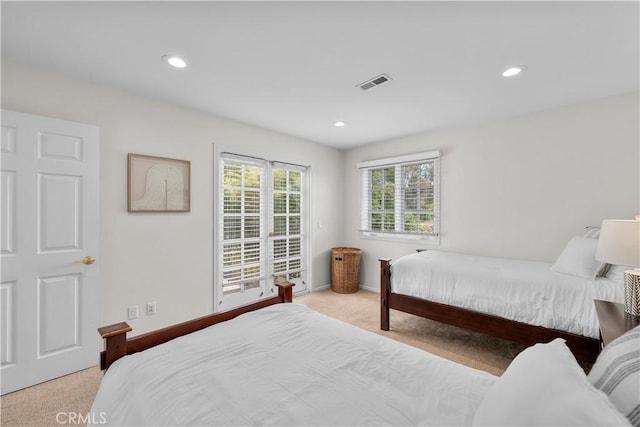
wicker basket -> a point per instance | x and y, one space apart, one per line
345 269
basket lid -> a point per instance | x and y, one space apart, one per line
346 249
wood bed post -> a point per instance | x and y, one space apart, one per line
285 291
385 289
116 343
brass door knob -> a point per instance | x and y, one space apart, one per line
88 260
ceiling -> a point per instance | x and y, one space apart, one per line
294 66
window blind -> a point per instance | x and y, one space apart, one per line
400 195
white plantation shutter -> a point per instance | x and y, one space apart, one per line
400 197
287 216
242 227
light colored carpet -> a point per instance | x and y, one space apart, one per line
469 348
63 399
51 403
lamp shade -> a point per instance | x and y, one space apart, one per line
619 242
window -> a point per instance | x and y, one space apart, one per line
401 197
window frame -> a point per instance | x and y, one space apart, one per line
366 195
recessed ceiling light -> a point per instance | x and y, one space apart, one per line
514 71
174 61
339 124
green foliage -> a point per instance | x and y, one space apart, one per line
417 197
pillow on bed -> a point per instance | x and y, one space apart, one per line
579 258
616 272
545 386
616 373
592 232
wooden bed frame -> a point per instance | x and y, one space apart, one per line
117 345
584 348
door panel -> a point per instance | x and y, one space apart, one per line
49 298
288 225
8 139
242 231
8 230
7 319
59 147
58 325
59 223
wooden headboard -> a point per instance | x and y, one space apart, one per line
117 345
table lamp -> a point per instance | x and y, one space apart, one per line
619 244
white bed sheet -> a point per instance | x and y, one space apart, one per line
287 365
525 291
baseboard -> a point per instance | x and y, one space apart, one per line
300 293
366 288
370 288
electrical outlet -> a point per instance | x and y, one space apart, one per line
151 308
133 312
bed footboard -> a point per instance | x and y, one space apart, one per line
584 348
117 345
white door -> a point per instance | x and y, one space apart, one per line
261 236
50 222
288 225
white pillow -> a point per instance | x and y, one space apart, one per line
616 272
579 258
592 232
616 373
545 386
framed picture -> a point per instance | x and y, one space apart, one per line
158 184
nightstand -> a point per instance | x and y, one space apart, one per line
613 321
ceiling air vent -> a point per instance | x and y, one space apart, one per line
376 81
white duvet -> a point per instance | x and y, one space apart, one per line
287 365
525 291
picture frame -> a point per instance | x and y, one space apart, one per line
158 184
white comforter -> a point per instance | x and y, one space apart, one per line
525 291
290 366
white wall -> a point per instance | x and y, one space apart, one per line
518 188
167 258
